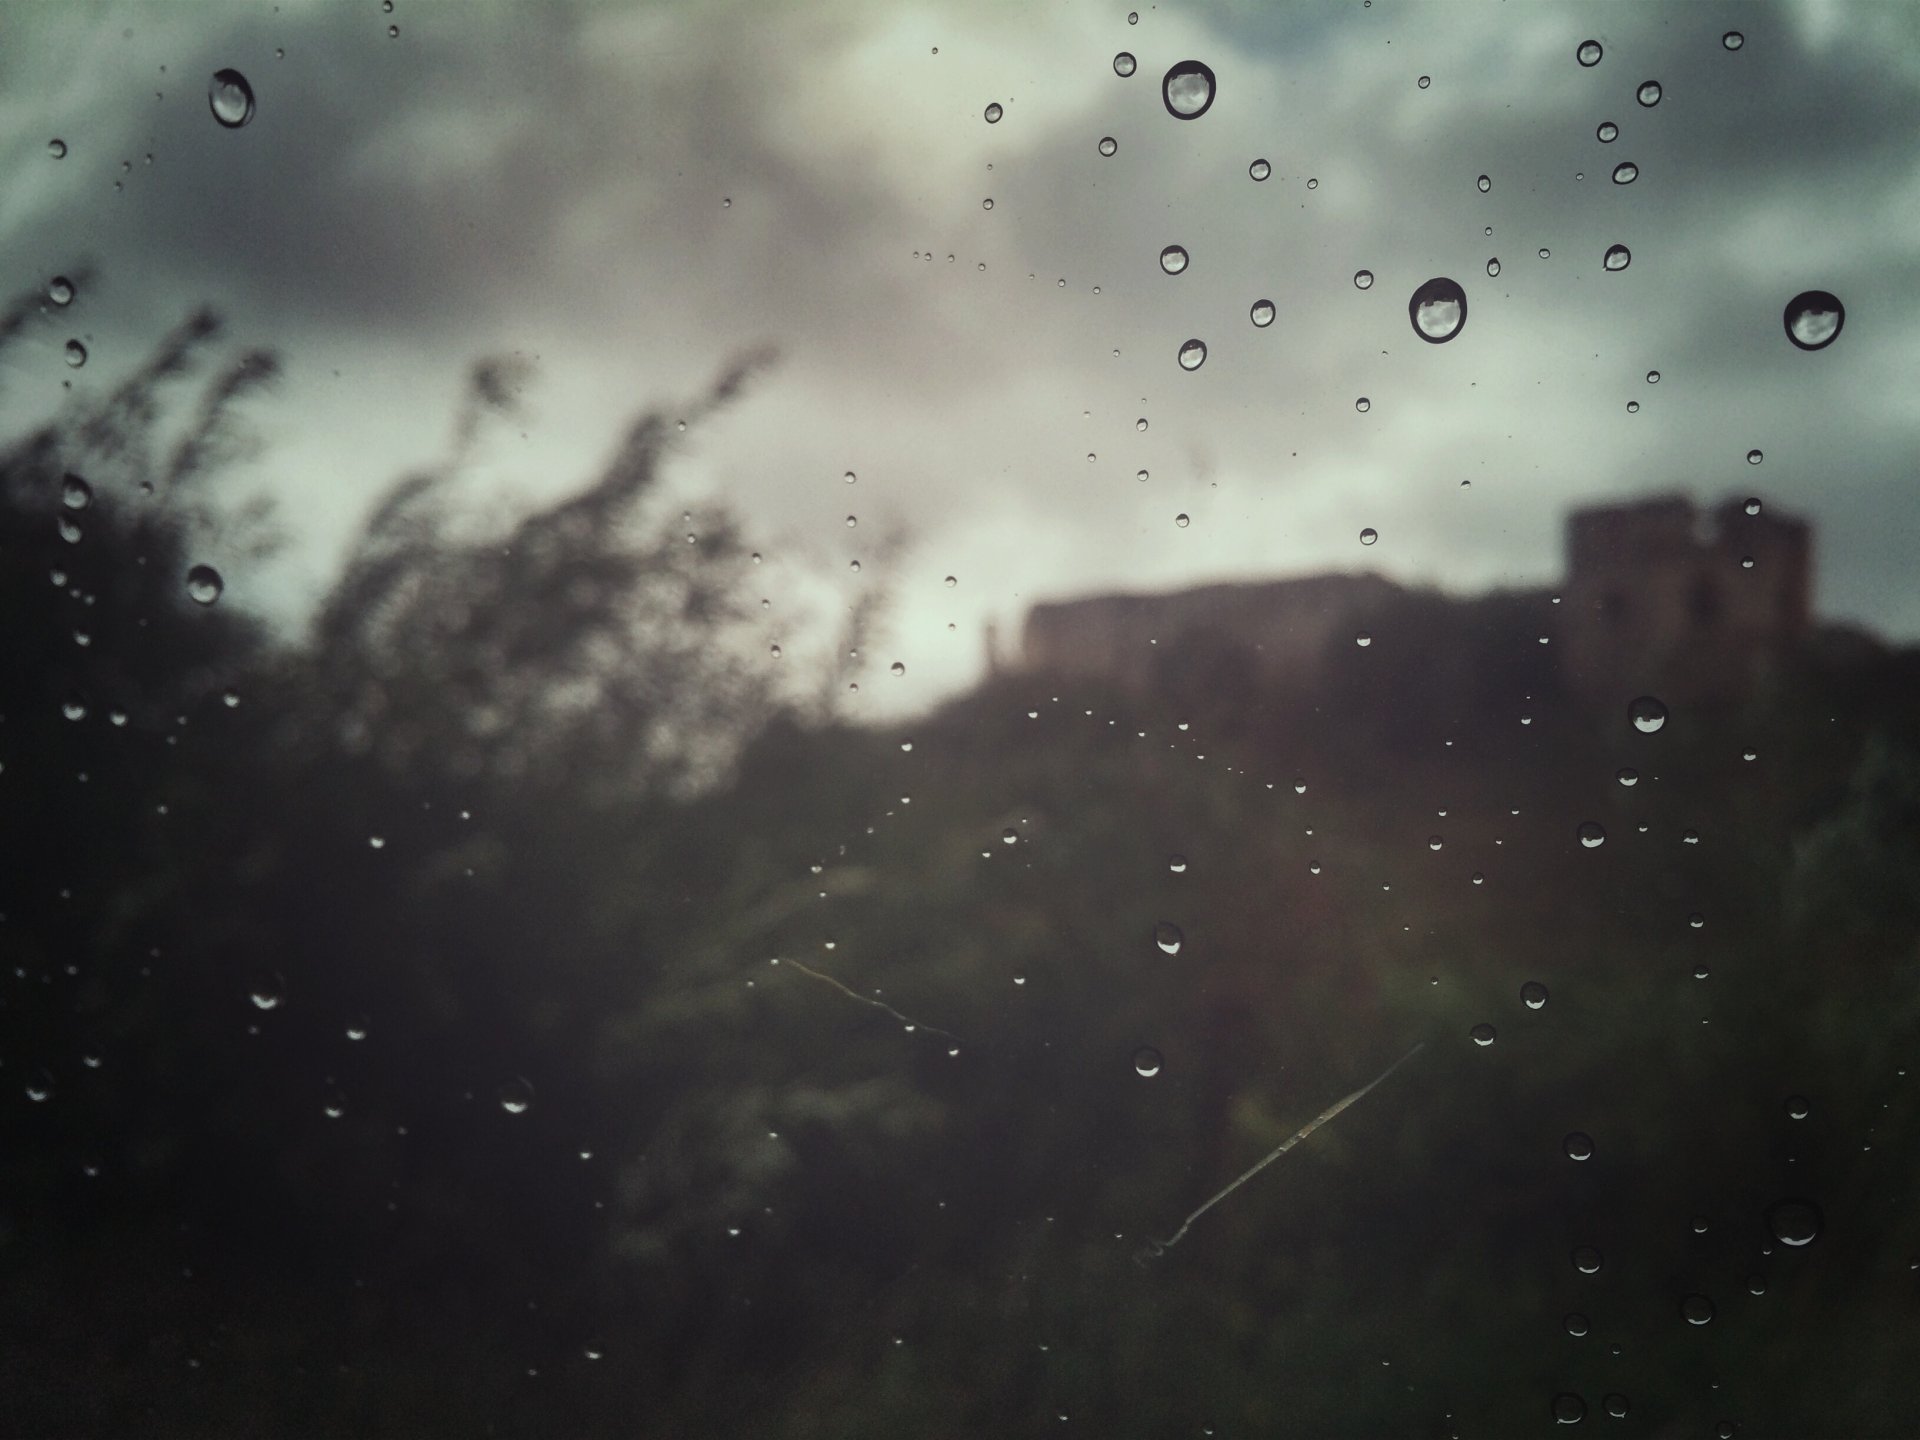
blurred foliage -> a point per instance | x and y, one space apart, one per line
285 921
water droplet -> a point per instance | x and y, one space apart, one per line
987 204
1146 1062
1438 310
1485 182
1607 133
1124 64
1483 1034
1424 81
1193 354
1591 835
1754 457
1647 714
40 1086
1369 535
1493 266
1009 836
1181 520
1363 639
1625 173
1108 145
1261 314
1569 1408
1187 90
60 290
1813 319
1616 1404
1797 1107
1697 1309
516 1095
1576 1324
1633 407
1363 404
76 354
1168 937
1363 279
1586 1260
1618 257
1177 864
1533 995
1649 93
1133 17
1589 53
1794 1222
266 992
75 493
1578 1145
1173 259
1259 169
993 113
335 1105
230 98
1627 776
204 585
57 148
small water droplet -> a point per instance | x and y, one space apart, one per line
987 204
516 1095
1261 314
1124 64
76 354
204 585
266 992
75 493
1187 90
1576 1324
1146 1062
993 113
1533 995
1607 133
1493 266
230 98
1569 1408
1587 1260
1589 53
1627 776
1797 1107
1259 169
1625 173
1483 1034
1649 93
1733 39
1794 1222
1438 310
1578 1145
1616 1404
1182 521
1647 714
1168 937
1177 864
1108 145
1697 1309
1173 259
1618 257
57 148
1485 182
1591 834
60 290
1369 535
1193 354
1363 639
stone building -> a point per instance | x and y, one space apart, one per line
1659 596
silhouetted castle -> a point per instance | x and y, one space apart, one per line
1659 596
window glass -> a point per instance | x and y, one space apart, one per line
868 720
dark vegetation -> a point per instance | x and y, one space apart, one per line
741 1203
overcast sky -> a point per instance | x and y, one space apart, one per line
634 193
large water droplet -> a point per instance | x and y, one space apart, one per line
1607 133
1733 39
1589 53
1261 314
1578 1145
1193 354
1618 257
1649 93
1697 1309
1438 310
1124 64
1576 1324
1363 404
204 584
1533 995
76 354
1586 1260
1168 937
75 493
1493 266
1173 259
1177 864
1797 1107
1108 145
1813 319
993 113
1592 835
230 98
1485 182
1625 173
1647 714
1187 90
1794 1222
1616 1404
1483 1034
516 1095
1146 1062
1363 279
1259 170
60 290
1569 1408
1369 535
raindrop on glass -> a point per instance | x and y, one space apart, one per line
60 290
1627 776
1647 714
993 113
1569 1408
75 493
1576 1324
1181 520
1587 1260
1108 145
1578 1145
1259 170
1697 1309
1168 937
1589 53
1493 266
1797 1107
1369 535
1438 310
1653 377
230 98
1483 1034
1794 1222
1425 81
1187 90
1733 39
1262 313
1485 182
76 354
40 1086
1363 404
1173 259
1146 1062
1625 173
1649 93
1813 319
1616 1404
1533 995
515 1096
266 992
204 584
1363 279
57 149
1123 64
1591 835
1363 639
1607 133
1193 355
1618 257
